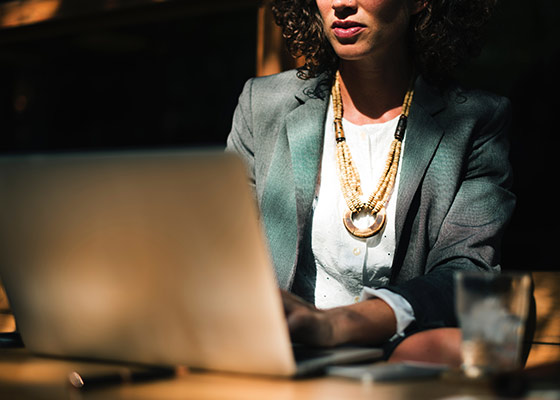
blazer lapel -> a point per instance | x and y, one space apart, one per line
305 130
290 185
423 135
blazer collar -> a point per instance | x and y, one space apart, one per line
422 137
305 127
292 178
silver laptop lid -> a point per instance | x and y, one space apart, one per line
154 258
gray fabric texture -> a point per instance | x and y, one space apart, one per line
453 202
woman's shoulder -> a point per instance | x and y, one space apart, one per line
287 84
282 84
455 103
285 81
474 101
465 111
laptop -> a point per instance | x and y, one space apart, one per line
147 257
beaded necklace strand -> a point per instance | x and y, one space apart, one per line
350 178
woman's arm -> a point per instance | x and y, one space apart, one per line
370 322
240 140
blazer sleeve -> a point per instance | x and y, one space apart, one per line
469 237
241 139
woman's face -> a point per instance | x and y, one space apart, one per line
358 29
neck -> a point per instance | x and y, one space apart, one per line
374 92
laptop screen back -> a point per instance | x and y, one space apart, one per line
155 258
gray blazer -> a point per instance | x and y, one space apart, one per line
453 201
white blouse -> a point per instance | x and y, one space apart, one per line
350 269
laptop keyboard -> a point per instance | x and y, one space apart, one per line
303 353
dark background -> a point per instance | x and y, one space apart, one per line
167 79
108 80
521 61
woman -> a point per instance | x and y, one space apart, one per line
376 176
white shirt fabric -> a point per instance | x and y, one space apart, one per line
350 269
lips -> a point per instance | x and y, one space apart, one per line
346 29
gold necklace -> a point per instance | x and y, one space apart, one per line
348 174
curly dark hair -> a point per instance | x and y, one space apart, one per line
442 37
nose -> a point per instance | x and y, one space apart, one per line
339 5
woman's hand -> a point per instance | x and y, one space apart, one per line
369 322
307 324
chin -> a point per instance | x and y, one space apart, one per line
351 56
352 53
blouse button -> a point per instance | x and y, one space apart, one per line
356 251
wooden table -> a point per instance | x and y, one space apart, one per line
23 376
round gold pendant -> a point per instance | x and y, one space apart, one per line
364 232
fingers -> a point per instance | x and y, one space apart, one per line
307 324
309 327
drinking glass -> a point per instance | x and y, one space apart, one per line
492 310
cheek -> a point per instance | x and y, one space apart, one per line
324 6
385 11
375 4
